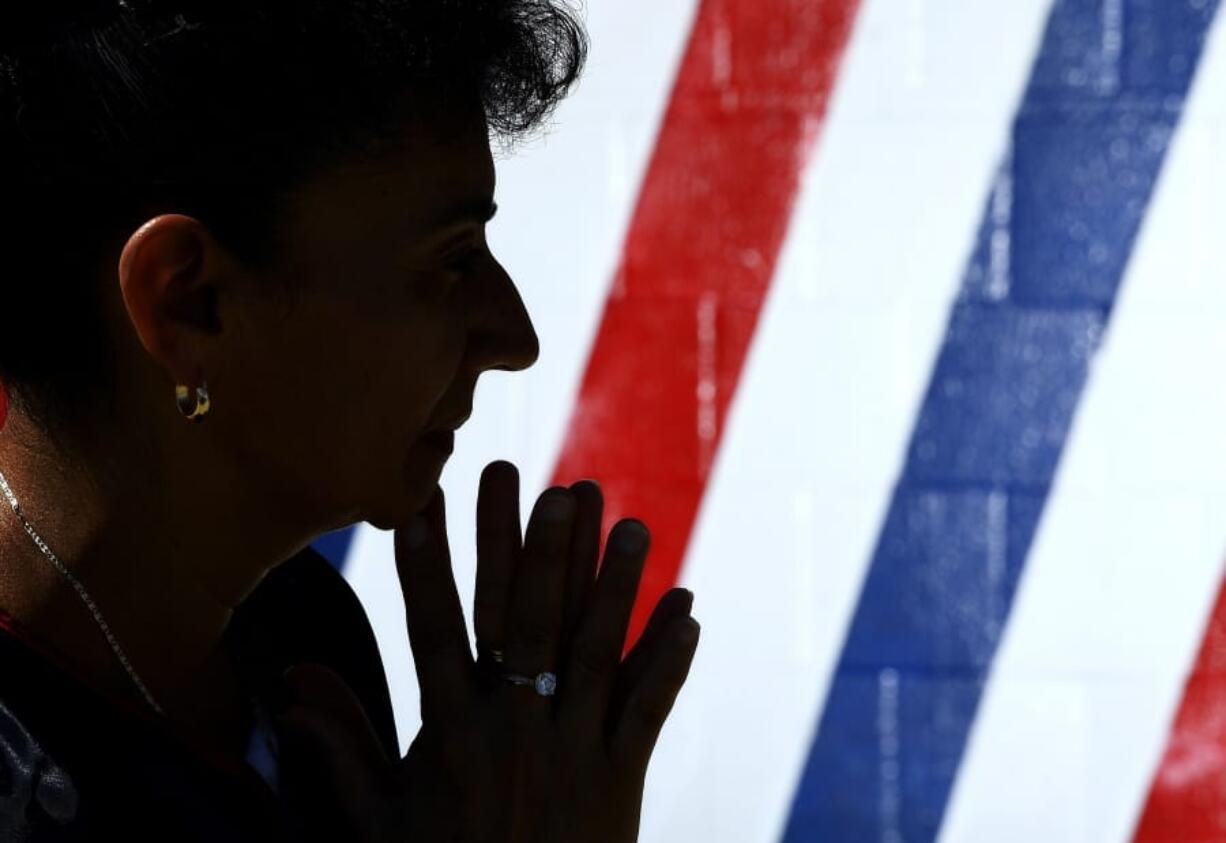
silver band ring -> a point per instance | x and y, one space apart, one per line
496 656
545 684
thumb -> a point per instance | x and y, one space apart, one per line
331 765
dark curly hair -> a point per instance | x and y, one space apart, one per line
113 111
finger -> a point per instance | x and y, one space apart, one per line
498 543
677 603
535 613
328 698
438 635
597 650
584 557
649 705
312 771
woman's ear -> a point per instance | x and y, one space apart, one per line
167 286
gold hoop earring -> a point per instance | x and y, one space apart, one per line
201 409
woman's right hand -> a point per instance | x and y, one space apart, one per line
495 761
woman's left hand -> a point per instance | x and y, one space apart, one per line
494 761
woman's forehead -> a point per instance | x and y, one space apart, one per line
434 176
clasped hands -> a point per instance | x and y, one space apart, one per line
495 761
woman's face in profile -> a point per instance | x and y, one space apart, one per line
402 308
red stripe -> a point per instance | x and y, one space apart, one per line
1186 797
697 263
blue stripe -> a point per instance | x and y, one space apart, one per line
1105 95
334 546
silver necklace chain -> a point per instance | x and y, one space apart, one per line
80 589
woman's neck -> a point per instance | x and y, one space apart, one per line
164 564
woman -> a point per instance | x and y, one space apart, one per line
273 213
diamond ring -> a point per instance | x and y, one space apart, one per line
543 683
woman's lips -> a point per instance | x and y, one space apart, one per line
443 440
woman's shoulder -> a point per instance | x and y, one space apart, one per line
72 762
75 765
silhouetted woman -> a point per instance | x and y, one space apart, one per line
245 299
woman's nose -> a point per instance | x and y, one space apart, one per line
505 338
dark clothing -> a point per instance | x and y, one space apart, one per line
75 765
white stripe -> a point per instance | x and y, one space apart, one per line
1127 560
877 248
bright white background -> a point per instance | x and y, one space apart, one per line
1127 561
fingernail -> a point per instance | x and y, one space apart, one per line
689 630
279 695
556 506
415 532
631 536
289 682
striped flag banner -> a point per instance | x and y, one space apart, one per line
896 321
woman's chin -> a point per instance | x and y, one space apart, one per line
413 490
